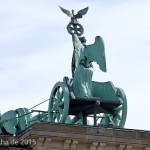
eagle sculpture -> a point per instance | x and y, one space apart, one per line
74 17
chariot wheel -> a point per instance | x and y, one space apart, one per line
59 103
75 29
120 112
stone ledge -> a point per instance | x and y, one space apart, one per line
88 134
52 136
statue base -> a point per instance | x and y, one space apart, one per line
52 136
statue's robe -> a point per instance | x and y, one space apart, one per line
81 72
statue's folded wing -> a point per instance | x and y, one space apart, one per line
96 53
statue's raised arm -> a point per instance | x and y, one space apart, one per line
78 50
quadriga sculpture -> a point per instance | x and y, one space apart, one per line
79 98
76 100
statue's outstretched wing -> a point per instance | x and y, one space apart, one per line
67 12
96 53
81 12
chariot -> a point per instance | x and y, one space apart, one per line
107 104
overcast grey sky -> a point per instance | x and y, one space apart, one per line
36 50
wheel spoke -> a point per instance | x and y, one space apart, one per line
52 109
54 116
79 29
58 93
79 121
71 28
60 110
115 121
56 100
61 95
58 117
118 116
61 103
78 32
119 108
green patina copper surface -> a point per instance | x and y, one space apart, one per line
59 103
83 56
40 117
120 112
23 121
15 121
77 100
8 122
112 100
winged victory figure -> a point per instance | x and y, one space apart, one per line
83 57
